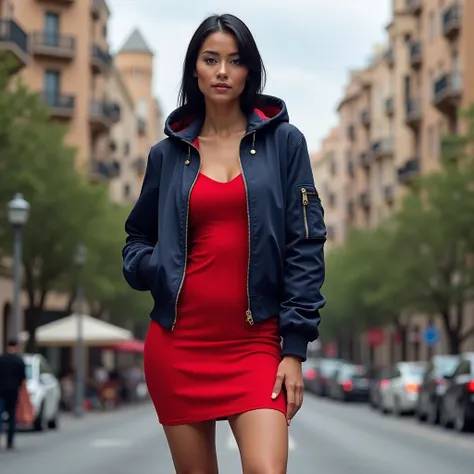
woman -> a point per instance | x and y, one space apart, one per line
228 236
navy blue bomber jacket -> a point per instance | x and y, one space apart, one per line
286 224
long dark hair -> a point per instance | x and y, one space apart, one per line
189 94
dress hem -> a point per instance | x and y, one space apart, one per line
217 417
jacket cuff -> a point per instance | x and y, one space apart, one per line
295 345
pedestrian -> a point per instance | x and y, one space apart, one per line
12 379
227 235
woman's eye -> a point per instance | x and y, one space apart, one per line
237 62
210 61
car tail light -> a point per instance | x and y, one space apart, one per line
470 386
383 383
440 381
310 374
347 386
412 387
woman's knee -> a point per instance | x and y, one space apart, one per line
261 467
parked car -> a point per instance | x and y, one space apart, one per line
378 379
400 394
325 369
349 383
44 390
309 372
433 386
457 406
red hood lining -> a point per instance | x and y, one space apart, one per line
265 113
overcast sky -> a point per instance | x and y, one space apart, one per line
308 46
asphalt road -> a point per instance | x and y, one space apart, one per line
326 437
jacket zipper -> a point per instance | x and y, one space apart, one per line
248 313
304 197
186 239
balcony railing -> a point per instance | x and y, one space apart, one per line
141 125
366 117
409 170
389 193
414 6
382 148
389 106
47 44
413 113
15 41
447 91
365 159
364 199
61 105
350 168
415 54
351 132
104 170
101 60
350 207
451 20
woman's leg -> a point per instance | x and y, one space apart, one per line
193 447
262 437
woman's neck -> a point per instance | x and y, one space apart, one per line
223 120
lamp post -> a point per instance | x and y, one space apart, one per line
80 260
18 213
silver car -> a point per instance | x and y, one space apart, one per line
399 393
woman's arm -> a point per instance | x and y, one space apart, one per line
142 227
304 268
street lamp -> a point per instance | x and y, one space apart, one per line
80 261
18 213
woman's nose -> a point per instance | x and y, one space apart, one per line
222 72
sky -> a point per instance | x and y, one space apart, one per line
308 46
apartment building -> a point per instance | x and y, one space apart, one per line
394 113
134 60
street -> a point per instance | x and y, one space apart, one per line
326 437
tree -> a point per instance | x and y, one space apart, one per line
434 241
35 161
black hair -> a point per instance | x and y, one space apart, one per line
12 343
190 96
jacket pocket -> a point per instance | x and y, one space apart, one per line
311 210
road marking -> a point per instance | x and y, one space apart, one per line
231 444
111 443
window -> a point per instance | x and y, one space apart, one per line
52 81
127 191
127 148
142 108
51 29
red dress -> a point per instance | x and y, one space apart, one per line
214 364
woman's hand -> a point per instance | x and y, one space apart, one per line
290 375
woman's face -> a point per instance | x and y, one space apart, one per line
221 77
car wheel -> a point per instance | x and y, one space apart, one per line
443 418
433 414
54 422
41 423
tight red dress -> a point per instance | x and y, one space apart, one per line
214 364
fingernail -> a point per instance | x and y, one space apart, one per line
274 395
289 422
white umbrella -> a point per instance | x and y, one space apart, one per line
64 331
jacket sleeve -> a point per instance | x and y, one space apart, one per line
304 267
141 228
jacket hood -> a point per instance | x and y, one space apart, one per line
270 110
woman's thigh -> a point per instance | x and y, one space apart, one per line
193 447
262 437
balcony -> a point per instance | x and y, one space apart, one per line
409 171
96 8
366 118
140 165
53 46
447 92
451 21
350 208
13 42
141 126
413 113
101 60
103 115
365 159
103 171
389 193
389 57
382 148
415 54
350 168
62 106
364 199
389 106
414 7
351 132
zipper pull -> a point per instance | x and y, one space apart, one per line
304 196
249 317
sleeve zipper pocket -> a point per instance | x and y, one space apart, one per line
305 200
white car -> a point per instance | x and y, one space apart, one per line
44 390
